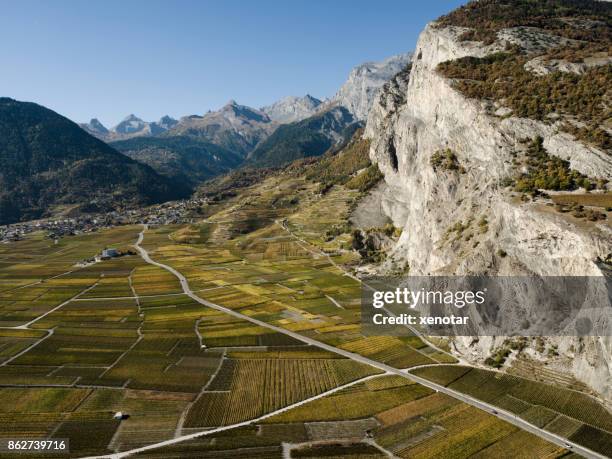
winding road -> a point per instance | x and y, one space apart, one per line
491 409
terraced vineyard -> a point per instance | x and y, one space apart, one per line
121 335
394 415
253 387
561 411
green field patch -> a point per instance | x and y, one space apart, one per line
21 333
388 349
564 426
443 375
62 349
87 437
103 330
298 352
516 441
462 434
110 287
357 450
538 415
152 280
12 346
593 438
165 300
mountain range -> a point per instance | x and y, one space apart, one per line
235 127
48 164
291 109
365 82
51 165
212 143
131 126
190 160
311 136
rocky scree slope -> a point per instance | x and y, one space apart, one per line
453 164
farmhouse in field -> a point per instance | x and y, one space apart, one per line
107 254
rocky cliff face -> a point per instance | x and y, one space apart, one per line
291 109
468 222
235 127
95 128
364 82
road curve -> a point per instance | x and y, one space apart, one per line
491 409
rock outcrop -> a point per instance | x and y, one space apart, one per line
291 109
130 127
365 81
419 113
235 127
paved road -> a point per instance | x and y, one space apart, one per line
49 331
500 413
315 251
29 348
59 306
173 441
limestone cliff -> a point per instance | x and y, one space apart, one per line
469 222
364 82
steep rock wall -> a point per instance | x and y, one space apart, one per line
415 117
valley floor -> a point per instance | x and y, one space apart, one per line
240 336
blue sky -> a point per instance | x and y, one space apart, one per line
109 58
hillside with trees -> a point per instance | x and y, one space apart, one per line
48 162
187 159
310 137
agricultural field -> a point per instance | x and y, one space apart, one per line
247 388
561 411
82 341
374 418
300 291
37 275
